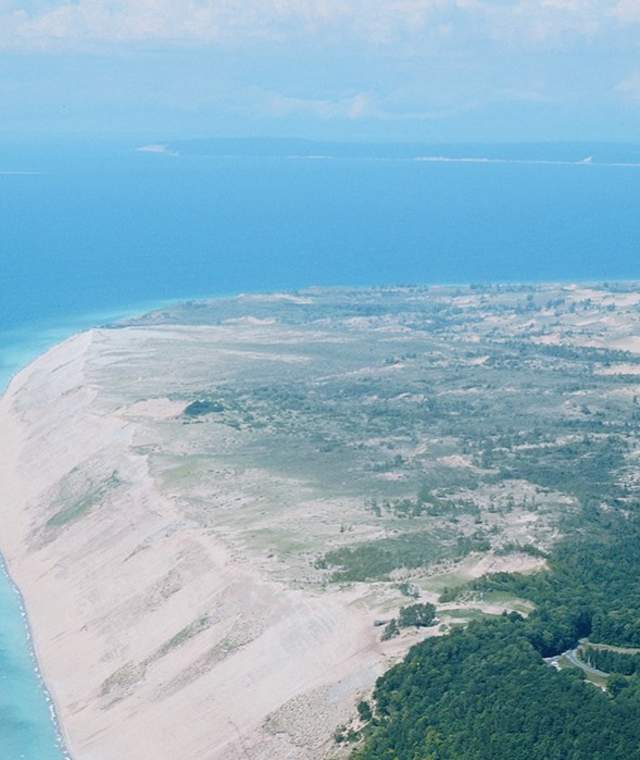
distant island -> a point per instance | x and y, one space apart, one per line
394 523
577 153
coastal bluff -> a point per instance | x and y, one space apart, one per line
156 632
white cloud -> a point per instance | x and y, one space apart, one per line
352 107
629 88
628 11
158 149
209 20
541 21
362 105
91 22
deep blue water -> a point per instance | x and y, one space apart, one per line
95 232
100 229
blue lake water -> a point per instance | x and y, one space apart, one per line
94 233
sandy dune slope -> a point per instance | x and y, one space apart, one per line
157 639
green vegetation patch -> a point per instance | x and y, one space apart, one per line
586 468
417 615
374 560
120 683
516 548
200 408
466 614
409 589
186 634
610 660
77 509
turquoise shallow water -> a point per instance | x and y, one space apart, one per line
95 233
21 344
27 728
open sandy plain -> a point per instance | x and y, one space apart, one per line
210 510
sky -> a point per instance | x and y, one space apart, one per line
431 70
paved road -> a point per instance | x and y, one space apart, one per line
572 656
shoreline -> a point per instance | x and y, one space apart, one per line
62 740
42 336
59 335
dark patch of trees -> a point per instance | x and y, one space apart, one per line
200 408
486 693
417 615
611 661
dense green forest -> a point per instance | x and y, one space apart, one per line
592 587
486 693
611 661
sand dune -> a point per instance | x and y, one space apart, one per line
155 637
